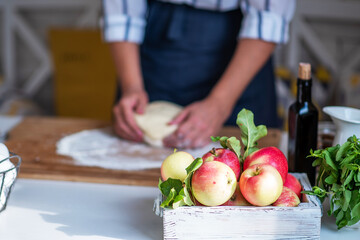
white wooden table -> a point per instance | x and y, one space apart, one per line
42 210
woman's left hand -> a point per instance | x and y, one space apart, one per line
197 123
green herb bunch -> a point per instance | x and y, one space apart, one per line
339 179
178 193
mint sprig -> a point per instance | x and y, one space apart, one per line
339 176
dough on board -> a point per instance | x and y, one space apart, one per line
154 122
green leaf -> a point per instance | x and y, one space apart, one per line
331 211
167 186
349 178
330 179
179 199
347 216
159 183
347 195
223 141
316 153
353 221
335 187
317 162
344 172
355 212
187 198
231 143
347 160
250 133
317 191
355 197
234 145
194 165
352 166
342 223
167 202
342 151
356 180
182 199
309 192
329 161
334 174
339 216
333 151
215 139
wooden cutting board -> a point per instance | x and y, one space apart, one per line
35 138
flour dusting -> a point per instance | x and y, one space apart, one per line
101 148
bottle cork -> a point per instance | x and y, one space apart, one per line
304 71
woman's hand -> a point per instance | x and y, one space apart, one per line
133 96
197 123
124 124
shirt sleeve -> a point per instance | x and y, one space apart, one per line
124 20
267 20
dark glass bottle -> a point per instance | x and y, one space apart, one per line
303 126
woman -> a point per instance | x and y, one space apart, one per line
211 56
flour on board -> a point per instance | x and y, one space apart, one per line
102 148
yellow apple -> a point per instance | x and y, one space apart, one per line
174 166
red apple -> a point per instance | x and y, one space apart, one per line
288 198
213 183
269 155
294 184
225 156
261 184
237 199
174 166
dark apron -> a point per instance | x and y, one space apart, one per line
185 52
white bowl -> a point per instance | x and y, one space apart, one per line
346 120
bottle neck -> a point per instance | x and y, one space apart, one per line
304 90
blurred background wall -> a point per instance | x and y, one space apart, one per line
53 61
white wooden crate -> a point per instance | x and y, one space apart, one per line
249 222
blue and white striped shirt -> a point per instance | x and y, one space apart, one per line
124 20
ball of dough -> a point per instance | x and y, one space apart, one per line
154 122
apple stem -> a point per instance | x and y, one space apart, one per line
257 171
213 152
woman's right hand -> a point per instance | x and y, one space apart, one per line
124 121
